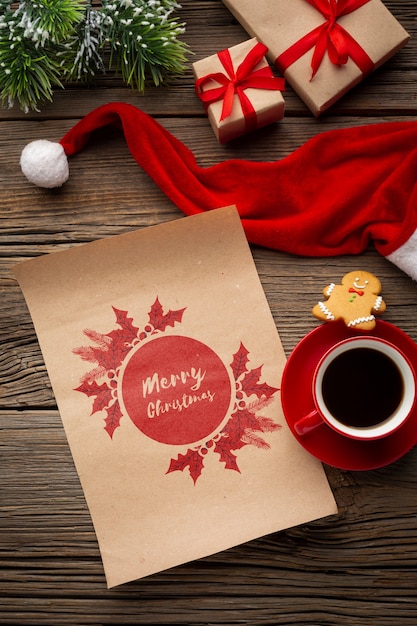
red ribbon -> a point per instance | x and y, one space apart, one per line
233 83
329 36
352 290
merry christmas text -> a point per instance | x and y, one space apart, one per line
158 383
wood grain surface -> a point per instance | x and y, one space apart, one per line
359 569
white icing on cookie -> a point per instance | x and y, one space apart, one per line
323 308
330 289
360 320
378 302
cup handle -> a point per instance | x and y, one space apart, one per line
308 422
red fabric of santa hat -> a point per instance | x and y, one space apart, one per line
332 196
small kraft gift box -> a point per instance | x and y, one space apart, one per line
322 47
239 90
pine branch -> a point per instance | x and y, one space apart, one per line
45 43
81 57
26 75
259 404
102 341
52 20
143 40
253 439
94 375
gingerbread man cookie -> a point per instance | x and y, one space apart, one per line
356 301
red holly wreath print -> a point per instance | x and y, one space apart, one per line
176 390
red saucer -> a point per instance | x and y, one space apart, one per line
297 400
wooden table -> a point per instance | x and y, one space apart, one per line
359 569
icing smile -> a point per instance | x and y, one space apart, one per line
355 284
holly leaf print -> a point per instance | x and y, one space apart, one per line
102 399
121 340
110 349
191 459
90 389
112 356
130 332
250 380
102 393
233 429
239 422
263 389
240 359
161 320
224 449
250 384
112 420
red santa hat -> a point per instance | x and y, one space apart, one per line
336 193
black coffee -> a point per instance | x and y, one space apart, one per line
362 387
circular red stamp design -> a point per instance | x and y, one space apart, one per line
176 390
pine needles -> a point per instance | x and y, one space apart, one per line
46 43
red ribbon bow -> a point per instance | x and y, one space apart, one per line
233 83
359 292
329 36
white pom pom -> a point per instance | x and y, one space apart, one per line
45 163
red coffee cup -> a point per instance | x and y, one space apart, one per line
363 388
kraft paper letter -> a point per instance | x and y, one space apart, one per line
166 366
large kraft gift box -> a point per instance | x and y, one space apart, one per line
261 102
366 35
